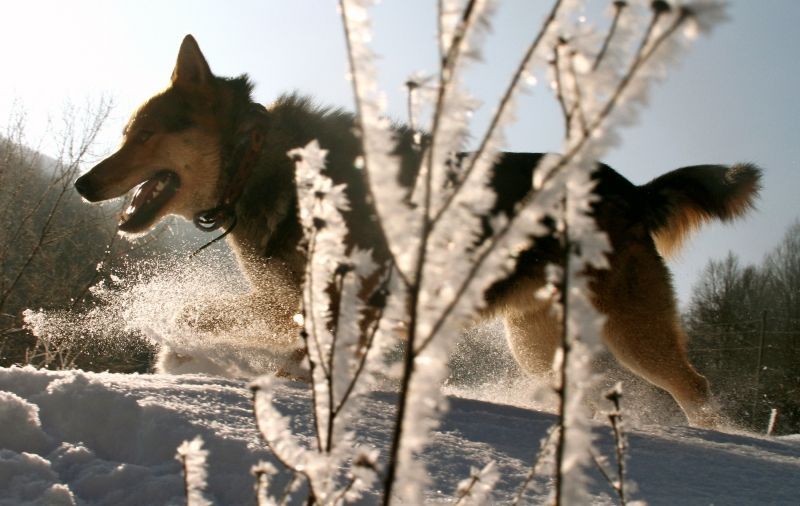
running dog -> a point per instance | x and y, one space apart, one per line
203 150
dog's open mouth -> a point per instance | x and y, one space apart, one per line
148 199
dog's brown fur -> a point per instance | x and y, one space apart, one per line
189 129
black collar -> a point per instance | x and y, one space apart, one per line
244 153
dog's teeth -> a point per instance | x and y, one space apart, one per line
160 186
130 210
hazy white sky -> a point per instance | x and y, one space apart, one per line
734 98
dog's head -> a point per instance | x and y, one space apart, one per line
171 149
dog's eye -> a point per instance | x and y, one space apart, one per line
143 136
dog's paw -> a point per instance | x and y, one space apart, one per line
212 316
251 319
171 362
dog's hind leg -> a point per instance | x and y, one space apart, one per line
655 350
643 331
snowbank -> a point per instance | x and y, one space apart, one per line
85 438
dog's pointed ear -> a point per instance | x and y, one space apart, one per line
191 69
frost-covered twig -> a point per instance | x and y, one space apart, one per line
493 131
192 457
291 487
262 471
358 374
448 131
475 489
619 5
620 443
363 472
274 429
620 447
600 464
411 89
340 355
607 95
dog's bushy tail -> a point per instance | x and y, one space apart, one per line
678 202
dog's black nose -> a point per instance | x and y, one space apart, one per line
84 187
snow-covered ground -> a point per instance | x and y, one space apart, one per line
84 438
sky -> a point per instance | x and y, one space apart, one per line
732 98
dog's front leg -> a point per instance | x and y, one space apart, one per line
242 333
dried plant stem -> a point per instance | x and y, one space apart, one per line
619 5
473 480
311 312
342 493
602 468
185 469
334 333
397 433
308 312
261 487
577 108
449 65
559 85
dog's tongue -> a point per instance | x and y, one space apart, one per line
149 197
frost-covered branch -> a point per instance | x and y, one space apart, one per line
446 276
603 97
381 167
445 247
544 446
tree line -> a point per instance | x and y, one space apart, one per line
744 324
54 247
